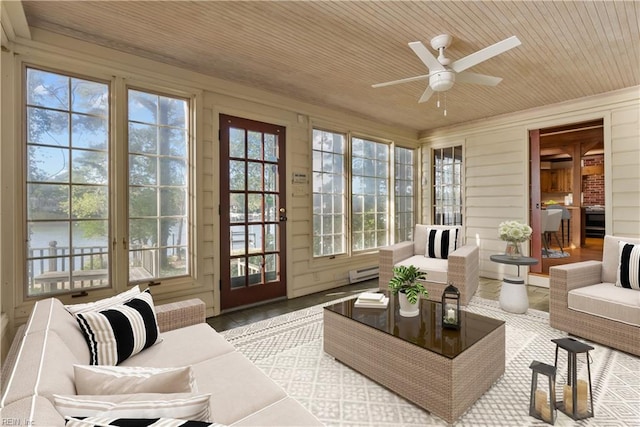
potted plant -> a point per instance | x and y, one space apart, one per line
405 284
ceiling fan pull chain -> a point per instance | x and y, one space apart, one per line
438 101
445 104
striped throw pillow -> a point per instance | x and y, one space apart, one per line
136 422
440 243
119 332
104 303
103 379
138 405
628 266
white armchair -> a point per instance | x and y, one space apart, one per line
461 267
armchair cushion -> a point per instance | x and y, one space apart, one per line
607 301
629 266
434 268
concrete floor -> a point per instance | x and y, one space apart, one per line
487 288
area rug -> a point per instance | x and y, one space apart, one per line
288 348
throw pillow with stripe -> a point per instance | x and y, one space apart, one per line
183 406
104 303
440 243
136 422
102 379
119 332
628 266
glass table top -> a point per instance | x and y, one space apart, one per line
424 330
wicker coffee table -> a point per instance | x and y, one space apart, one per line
441 370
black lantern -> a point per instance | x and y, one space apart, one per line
577 396
451 307
542 402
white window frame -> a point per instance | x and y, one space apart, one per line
457 172
347 195
118 183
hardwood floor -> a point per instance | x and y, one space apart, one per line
592 250
487 288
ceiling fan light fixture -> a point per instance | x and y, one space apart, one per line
442 80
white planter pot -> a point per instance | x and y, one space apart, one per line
406 308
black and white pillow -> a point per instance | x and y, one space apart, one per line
136 422
119 332
440 243
628 266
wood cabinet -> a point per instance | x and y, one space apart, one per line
556 180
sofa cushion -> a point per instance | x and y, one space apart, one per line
128 379
608 301
104 303
611 256
232 378
31 411
201 340
44 366
435 268
285 412
629 266
169 405
420 236
117 333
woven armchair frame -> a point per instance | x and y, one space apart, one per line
619 335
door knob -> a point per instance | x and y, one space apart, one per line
282 210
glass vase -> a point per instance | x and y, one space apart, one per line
513 250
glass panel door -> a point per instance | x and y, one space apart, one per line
253 213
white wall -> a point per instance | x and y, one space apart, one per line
496 160
213 96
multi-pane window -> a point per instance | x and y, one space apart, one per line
70 185
329 214
369 194
404 183
447 185
67 182
158 186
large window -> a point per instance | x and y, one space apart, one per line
365 204
67 182
329 214
447 185
158 186
404 183
71 185
369 194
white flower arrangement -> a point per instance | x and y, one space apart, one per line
514 231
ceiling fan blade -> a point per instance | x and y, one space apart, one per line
484 54
479 79
426 95
426 57
407 80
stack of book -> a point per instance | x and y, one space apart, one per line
371 300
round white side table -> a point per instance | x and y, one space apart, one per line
513 292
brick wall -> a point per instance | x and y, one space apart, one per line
593 185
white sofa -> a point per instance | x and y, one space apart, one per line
461 268
584 301
40 364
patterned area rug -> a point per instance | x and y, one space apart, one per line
553 253
289 349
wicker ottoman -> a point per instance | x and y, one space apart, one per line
441 370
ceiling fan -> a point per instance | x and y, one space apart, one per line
443 72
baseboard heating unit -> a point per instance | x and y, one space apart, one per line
362 274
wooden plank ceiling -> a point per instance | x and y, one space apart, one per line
330 53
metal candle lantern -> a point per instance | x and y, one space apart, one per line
542 402
451 307
577 396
